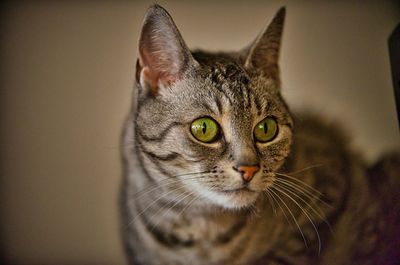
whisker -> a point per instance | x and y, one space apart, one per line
152 188
301 182
284 213
192 201
254 210
180 199
294 219
165 182
304 169
302 190
192 173
270 200
189 204
317 211
306 214
152 203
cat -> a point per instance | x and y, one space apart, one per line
217 170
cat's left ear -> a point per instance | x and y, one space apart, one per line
163 55
263 53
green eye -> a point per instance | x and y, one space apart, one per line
204 129
266 130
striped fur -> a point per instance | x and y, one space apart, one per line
310 202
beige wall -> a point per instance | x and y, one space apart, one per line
66 80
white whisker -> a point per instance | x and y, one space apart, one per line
304 169
180 199
317 211
306 214
165 182
152 203
301 182
302 190
294 218
270 200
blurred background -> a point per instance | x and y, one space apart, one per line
67 72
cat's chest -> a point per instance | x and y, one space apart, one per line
211 239
207 230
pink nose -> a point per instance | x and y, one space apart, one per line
248 172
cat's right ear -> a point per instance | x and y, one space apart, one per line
263 53
163 55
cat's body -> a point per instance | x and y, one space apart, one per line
237 198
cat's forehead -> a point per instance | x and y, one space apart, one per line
221 68
228 96
225 69
221 84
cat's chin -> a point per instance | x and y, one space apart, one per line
234 199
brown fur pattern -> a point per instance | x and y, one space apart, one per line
312 201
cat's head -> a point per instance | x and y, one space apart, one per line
215 124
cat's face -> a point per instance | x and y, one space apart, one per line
216 125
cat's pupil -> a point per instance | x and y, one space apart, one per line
204 128
265 128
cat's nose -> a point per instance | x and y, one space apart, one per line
247 172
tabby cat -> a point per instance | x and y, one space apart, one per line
218 171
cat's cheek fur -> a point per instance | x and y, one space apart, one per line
273 153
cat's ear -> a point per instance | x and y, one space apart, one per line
263 53
163 55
